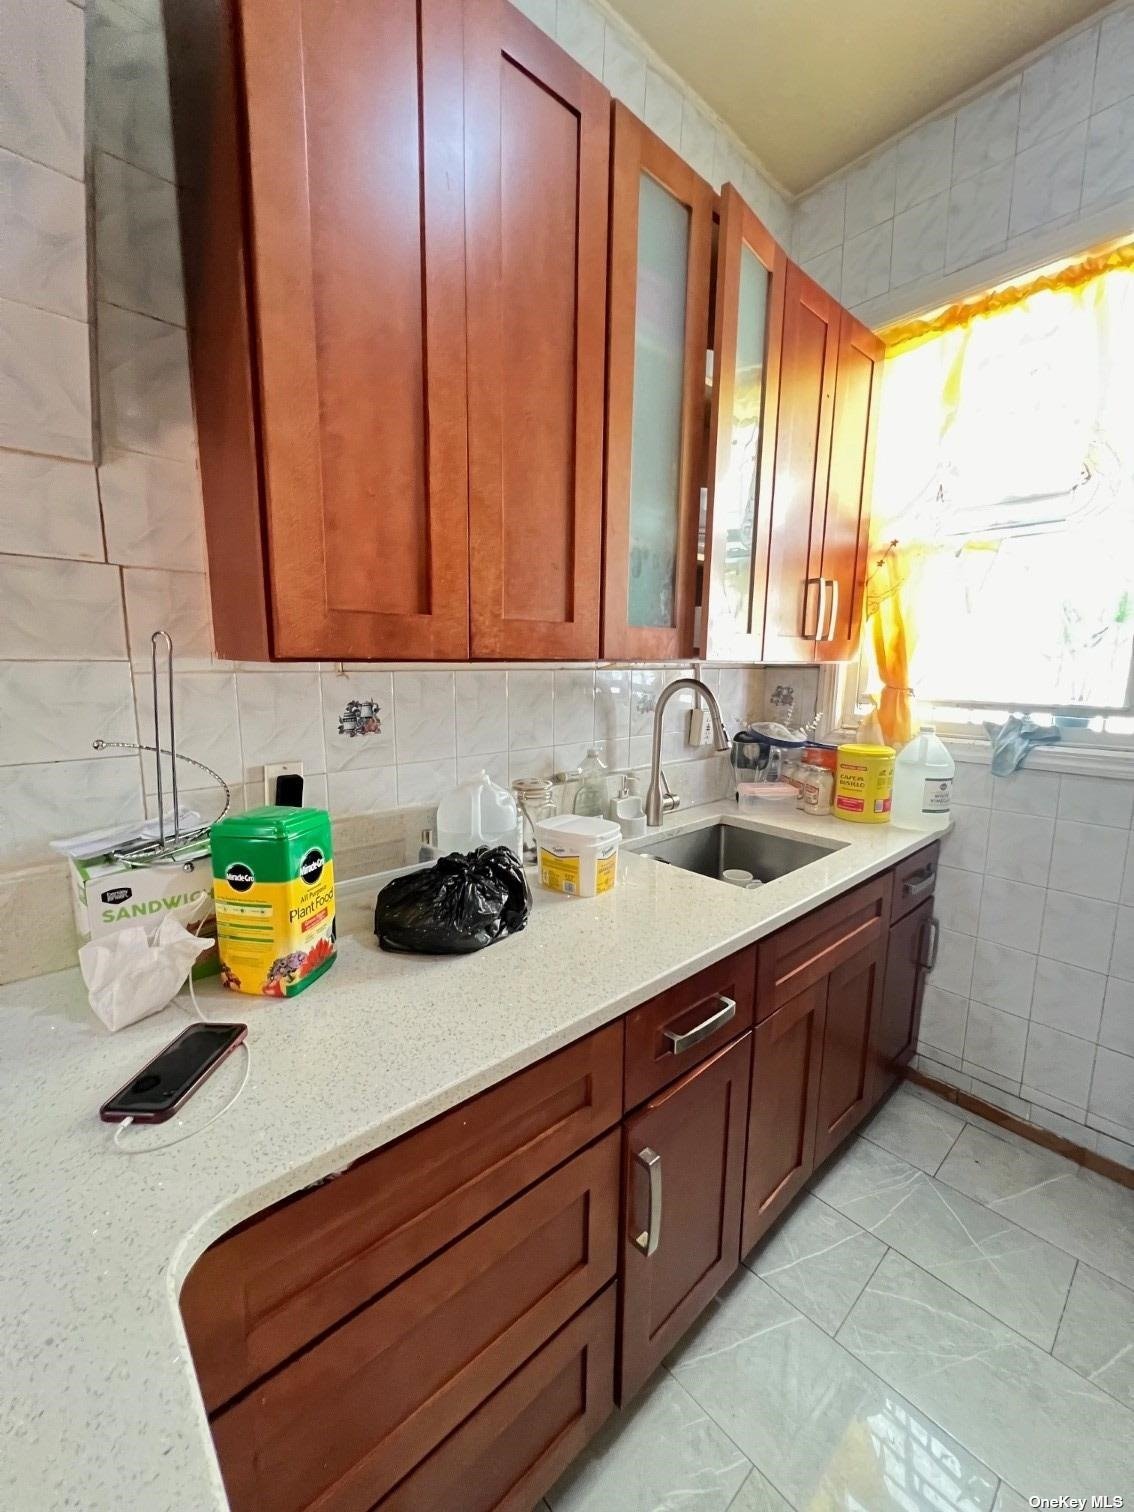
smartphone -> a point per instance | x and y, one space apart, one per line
159 1088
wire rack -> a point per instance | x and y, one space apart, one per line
167 846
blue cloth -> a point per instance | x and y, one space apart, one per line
1012 741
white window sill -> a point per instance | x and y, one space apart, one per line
1075 760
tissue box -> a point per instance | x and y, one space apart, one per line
107 896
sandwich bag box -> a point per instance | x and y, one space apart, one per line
106 896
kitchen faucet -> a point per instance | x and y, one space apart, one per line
656 804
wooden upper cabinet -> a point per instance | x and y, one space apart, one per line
798 602
748 328
840 561
661 235
537 159
354 121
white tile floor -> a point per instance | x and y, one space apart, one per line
944 1323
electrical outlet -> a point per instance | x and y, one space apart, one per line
700 727
279 769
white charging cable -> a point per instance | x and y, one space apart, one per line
168 1144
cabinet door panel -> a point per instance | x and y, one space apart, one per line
358 264
536 176
842 560
660 250
895 1033
786 1058
696 1131
515 1446
853 996
803 453
747 332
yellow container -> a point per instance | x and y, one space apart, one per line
864 783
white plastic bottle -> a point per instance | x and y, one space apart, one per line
591 794
477 812
923 783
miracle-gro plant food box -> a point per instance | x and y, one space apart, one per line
274 887
107 896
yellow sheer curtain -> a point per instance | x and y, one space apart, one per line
985 408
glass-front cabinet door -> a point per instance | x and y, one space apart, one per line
661 249
747 334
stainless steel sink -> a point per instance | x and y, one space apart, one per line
722 847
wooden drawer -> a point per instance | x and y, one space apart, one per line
812 947
671 1033
515 1447
269 1288
345 1422
914 880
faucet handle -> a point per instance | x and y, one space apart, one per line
670 799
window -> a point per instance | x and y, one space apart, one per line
1004 507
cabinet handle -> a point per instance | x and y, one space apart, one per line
647 1240
679 1043
821 609
833 622
920 882
934 941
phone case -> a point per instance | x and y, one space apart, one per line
109 1114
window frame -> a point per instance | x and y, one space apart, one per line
847 692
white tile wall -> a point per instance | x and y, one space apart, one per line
1044 148
1031 1004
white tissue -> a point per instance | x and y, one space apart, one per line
131 974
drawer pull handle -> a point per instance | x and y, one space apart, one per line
647 1240
930 961
921 882
682 1042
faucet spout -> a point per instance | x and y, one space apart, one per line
658 803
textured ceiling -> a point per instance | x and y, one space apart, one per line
809 85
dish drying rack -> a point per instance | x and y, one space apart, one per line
182 845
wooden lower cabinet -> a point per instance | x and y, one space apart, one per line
441 1328
683 1174
266 1291
907 966
514 1448
786 1060
341 1425
854 991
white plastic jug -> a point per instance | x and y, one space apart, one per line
923 783
477 812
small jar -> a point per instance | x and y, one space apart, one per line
536 801
817 789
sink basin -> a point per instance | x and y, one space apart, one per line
722 847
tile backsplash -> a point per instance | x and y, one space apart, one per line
1031 1003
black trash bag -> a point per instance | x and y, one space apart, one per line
460 904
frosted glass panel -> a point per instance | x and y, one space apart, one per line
735 504
659 371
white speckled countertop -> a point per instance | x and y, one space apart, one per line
100 1403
